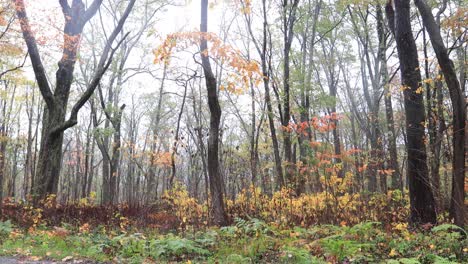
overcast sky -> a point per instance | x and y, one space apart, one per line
46 14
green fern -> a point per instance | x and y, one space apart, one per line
449 228
173 247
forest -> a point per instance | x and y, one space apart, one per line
233 131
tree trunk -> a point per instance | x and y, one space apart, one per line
253 141
152 188
29 164
332 76
216 185
91 169
334 122
2 160
176 138
392 162
392 147
421 197
438 139
457 207
50 153
288 34
265 64
115 160
103 146
87 156
307 61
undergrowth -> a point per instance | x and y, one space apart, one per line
336 204
335 225
246 241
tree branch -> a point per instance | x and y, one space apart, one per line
103 104
15 68
102 67
65 9
33 50
92 9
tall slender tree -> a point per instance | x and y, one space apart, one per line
289 10
392 161
214 173
263 47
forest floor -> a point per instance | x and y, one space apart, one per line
246 241
277 229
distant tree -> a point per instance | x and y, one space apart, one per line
392 160
263 45
288 11
10 51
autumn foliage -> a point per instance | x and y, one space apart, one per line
245 70
335 205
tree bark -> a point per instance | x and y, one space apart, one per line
392 148
266 85
439 137
288 33
214 173
457 207
176 136
422 204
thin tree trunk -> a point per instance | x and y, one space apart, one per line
288 34
216 185
438 139
91 169
28 165
176 138
266 65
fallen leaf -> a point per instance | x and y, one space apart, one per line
67 258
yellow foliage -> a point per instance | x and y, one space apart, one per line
335 204
186 208
419 90
124 223
457 22
392 253
428 81
50 201
83 202
85 228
